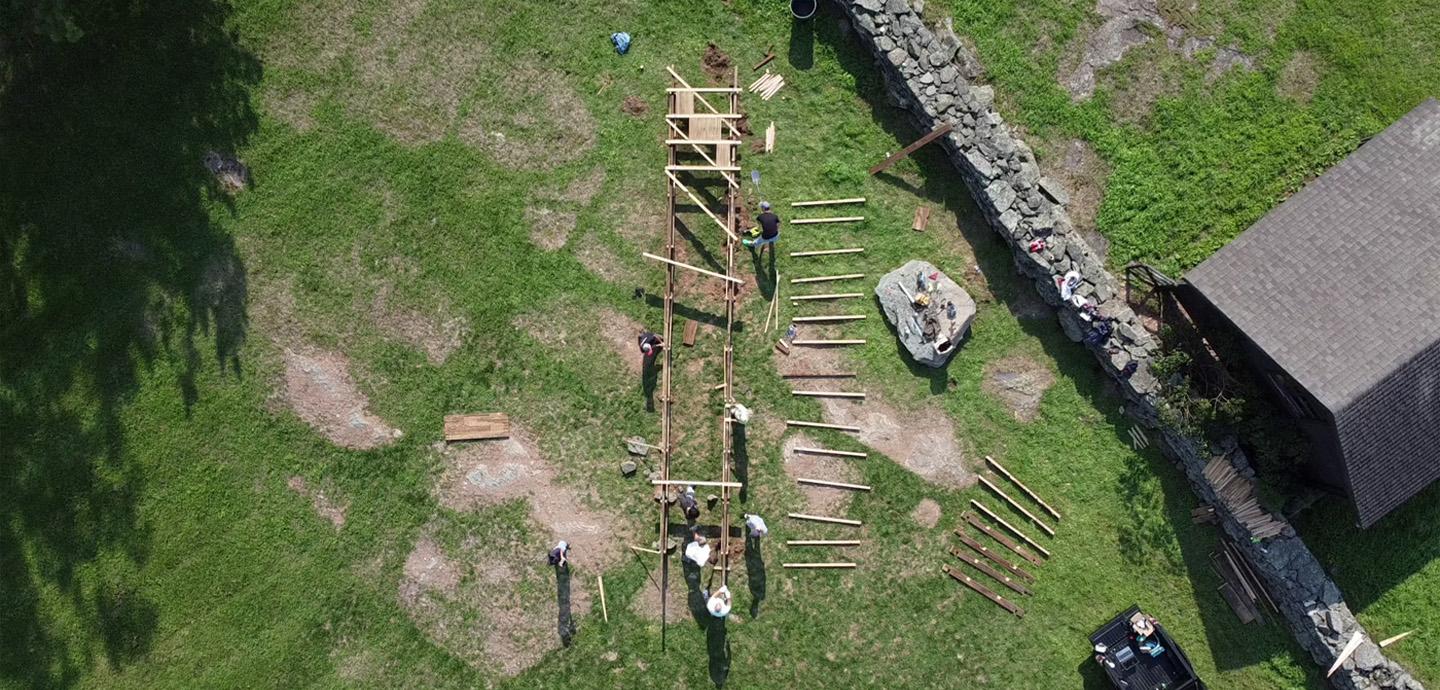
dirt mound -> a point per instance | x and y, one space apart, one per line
321 500
922 441
926 513
634 106
1020 382
1300 78
319 389
819 500
437 336
717 64
492 472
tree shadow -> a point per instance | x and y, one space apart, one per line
109 262
754 573
564 623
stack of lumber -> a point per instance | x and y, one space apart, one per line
1240 586
1238 495
993 558
767 85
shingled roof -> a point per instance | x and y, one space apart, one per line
1340 286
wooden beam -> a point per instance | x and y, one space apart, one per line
828 394
823 319
922 218
1033 496
823 542
769 55
818 565
677 264
702 168
1345 653
475 427
818 374
821 518
934 134
833 485
704 116
827 252
857 341
1013 529
1006 497
702 142
692 328
995 558
837 219
703 89
828 451
1002 539
642 549
822 279
704 101
833 295
984 591
698 202
1392 640
604 610
984 567
821 425
824 202
690 482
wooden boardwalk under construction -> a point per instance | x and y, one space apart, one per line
699 125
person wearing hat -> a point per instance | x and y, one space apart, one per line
769 230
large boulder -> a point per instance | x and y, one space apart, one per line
931 331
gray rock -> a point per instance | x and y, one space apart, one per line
1029 174
1054 191
984 96
897 7
1000 193
870 5
627 468
1010 219
897 57
895 289
948 73
884 44
981 165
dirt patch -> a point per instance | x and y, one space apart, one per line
582 190
492 472
819 500
646 603
1300 78
318 387
295 108
926 513
1124 27
922 441
634 106
1019 382
549 229
321 500
569 328
717 64
437 336
428 569
599 258
1083 175
534 120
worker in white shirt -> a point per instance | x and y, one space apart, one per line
719 603
698 551
756 525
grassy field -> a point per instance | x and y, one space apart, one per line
154 534
1193 158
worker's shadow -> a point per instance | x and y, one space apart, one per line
764 270
742 460
695 597
717 646
649 375
565 624
755 574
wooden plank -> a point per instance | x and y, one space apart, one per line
833 485
1033 496
821 425
823 542
693 482
826 202
703 89
818 565
704 116
823 279
837 219
1392 640
1243 612
821 518
922 218
1007 542
818 374
604 610
696 200
825 319
768 57
642 549
995 558
827 252
703 101
984 567
984 591
702 168
829 451
828 394
1023 510
857 341
770 138
692 327
702 142
475 427
833 295
1345 653
1013 529
677 264
934 134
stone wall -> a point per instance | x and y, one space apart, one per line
929 74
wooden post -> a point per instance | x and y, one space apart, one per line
1392 640
932 136
821 425
834 485
984 567
642 549
677 264
827 252
821 518
1006 497
1013 529
995 558
860 341
604 610
690 482
837 219
837 295
984 591
1033 496
827 451
824 279
1009 543
828 319
818 565
824 202
818 374
828 394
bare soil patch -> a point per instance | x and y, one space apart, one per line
1019 382
492 472
926 513
1122 29
1300 77
717 64
321 500
582 189
922 441
634 106
568 327
318 387
549 229
438 336
1074 164
646 603
600 258
295 108
428 569
819 500
534 120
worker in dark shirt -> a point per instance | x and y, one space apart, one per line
769 230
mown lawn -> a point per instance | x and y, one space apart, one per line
1214 155
149 537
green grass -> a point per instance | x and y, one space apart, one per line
148 538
